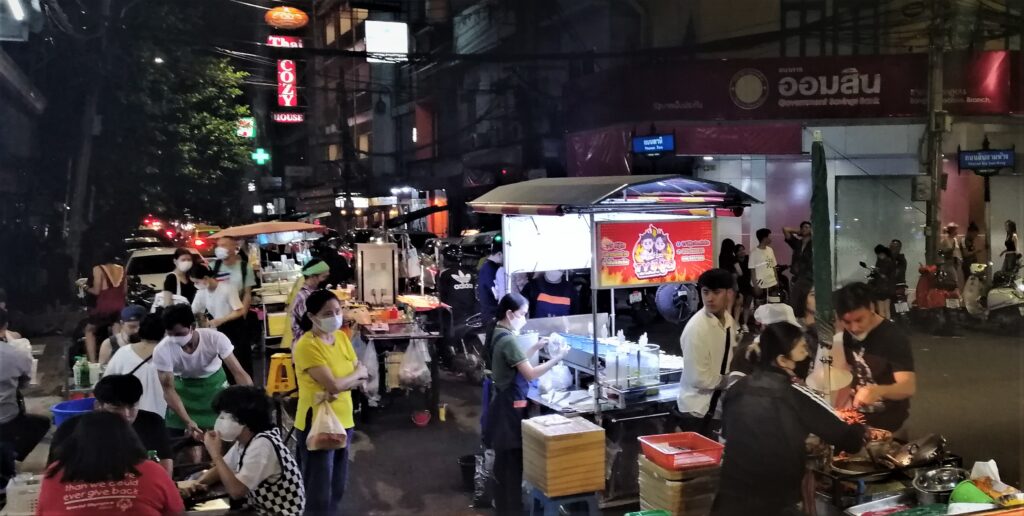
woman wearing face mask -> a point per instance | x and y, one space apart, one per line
324 363
258 468
767 417
511 373
314 274
178 283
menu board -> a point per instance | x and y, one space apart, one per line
647 252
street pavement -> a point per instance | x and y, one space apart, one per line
970 390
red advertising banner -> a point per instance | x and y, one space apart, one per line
653 252
288 118
789 89
287 95
284 41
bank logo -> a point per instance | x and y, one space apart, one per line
749 88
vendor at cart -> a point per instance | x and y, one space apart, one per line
190 362
314 274
880 359
511 372
767 418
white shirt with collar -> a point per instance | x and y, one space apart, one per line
703 343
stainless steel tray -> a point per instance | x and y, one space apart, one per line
907 498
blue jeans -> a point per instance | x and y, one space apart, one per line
324 475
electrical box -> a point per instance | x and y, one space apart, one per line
377 273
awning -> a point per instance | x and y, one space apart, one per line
658 193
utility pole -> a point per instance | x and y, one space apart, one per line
79 206
936 126
348 148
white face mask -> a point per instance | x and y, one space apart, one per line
221 253
182 340
517 322
185 265
330 324
227 428
553 276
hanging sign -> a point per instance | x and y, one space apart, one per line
653 253
288 118
288 18
284 41
655 144
287 95
987 162
246 127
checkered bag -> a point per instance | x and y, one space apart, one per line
286 496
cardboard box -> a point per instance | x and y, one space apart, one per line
563 456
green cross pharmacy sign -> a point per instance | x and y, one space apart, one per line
260 156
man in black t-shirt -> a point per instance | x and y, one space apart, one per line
880 357
120 394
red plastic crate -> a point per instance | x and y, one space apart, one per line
697 451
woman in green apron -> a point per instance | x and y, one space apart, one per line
511 373
190 363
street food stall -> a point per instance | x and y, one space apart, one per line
630 232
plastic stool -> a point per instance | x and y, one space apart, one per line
280 375
540 504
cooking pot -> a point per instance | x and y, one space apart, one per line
935 485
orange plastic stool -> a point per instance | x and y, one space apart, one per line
280 374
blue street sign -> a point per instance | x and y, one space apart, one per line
654 144
989 160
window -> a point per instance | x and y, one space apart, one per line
332 152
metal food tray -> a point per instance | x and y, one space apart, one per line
906 498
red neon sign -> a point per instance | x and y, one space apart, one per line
287 95
284 41
288 118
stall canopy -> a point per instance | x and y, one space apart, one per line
658 193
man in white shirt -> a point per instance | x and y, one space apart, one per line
218 298
763 263
136 359
191 363
707 343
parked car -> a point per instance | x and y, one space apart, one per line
152 265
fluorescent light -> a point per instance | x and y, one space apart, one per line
414 135
16 9
709 158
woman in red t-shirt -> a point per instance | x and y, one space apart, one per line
102 469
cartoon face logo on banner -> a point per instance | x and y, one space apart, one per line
653 254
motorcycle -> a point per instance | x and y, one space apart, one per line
1000 302
936 302
140 294
900 306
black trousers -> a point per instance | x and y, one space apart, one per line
237 332
508 480
20 435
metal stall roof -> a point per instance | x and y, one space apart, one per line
658 193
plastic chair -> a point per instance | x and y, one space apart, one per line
539 503
280 374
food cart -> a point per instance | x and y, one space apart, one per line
631 231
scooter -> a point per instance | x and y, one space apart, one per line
936 302
1000 302
900 306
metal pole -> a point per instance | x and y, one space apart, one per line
936 127
613 332
593 312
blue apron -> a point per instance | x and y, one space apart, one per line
503 424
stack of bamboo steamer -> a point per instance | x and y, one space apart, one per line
688 492
563 456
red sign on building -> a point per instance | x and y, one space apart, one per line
653 253
287 94
288 118
284 41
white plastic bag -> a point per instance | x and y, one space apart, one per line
371 387
559 378
326 432
555 344
414 373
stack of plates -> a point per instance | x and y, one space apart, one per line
689 492
563 456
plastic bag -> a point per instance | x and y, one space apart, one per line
483 497
559 378
555 344
415 373
326 432
371 387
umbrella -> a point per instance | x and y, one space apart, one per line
415 215
264 228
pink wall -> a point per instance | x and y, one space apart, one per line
788 188
963 200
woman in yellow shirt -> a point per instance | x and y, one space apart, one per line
324 363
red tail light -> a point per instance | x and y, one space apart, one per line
199 242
